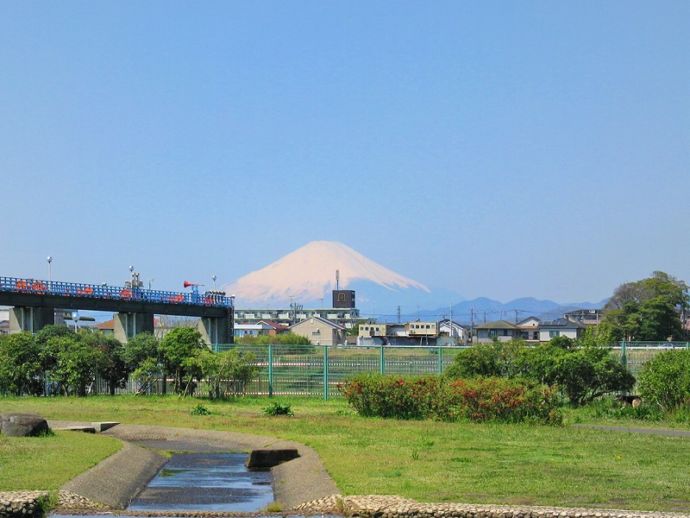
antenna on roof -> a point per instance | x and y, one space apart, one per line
337 279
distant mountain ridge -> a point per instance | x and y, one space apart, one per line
485 309
306 276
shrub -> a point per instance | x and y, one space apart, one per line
276 408
588 373
288 343
609 407
431 397
227 373
506 400
665 380
200 410
496 359
393 396
582 373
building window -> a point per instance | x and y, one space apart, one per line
554 334
492 333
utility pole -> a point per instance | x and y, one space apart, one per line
516 315
450 325
398 314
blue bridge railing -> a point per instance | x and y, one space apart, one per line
102 291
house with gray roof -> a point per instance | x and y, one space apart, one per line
500 330
560 327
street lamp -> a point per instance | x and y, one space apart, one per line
50 271
213 277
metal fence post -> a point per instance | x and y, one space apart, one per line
325 373
624 354
382 361
440 360
270 370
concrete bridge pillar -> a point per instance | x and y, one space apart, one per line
128 325
30 319
216 330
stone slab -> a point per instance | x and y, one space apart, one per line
262 459
102 426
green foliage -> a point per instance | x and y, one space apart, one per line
376 395
300 344
275 409
176 349
20 365
141 347
146 374
612 408
432 397
112 367
227 373
665 380
506 400
582 373
495 359
354 330
45 339
75 363
590 372
200 410
648 310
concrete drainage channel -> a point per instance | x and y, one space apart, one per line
219 482
173 472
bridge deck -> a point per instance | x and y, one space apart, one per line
16 291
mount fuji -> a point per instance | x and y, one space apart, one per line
307 276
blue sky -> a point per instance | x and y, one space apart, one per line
501 149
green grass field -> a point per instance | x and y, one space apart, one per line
50 461
425 460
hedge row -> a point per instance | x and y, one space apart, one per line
433 397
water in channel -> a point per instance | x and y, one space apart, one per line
206 482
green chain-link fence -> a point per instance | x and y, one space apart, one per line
316 371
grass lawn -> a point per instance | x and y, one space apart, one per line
48 462
430 461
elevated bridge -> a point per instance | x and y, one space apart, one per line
34 302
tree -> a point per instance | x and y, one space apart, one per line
176 347
647 310
75 363
227 372
20 365
660 284
141 347
49 352
112 367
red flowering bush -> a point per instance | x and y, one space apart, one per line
433 397
392 396
507 400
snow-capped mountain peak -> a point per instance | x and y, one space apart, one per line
308 274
